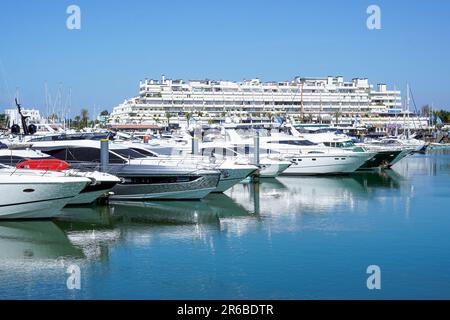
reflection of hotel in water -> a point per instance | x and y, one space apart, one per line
310 97
291 196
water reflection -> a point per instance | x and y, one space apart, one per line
272 205
253 233
294 195
34 240
432 164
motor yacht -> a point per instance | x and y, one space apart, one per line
141 177
386 153
232 170
308 158
101 183
36 194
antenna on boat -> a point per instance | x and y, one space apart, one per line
22 117
407 107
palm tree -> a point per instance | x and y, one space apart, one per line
337 114
76 122
53 117
188 116
3 120
84 115
168 116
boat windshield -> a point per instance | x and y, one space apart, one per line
347 144
295 142
145 153
129 153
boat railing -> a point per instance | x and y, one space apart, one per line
196 163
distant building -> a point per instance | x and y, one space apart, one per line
33 115
299 98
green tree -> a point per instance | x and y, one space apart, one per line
444 115
3 120
104 113
84 115
75 122
337 115
168 116
53 117
188 116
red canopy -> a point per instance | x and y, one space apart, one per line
45 164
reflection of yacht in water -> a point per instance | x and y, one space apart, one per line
34 240
289 195
90 229
95 229
207 211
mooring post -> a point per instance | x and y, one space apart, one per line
256 149
104 155
194 150
255 176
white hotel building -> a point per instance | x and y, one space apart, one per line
311 98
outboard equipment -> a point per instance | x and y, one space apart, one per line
15 129
32 129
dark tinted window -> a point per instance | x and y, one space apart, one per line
73 154
129 153
145 152
295 142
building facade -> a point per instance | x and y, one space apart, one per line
33 115
300 98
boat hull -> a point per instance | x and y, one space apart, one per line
381 159
273 170
228 178
36 200
138 185
97 189
325 165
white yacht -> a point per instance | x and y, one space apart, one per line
307 157
36 194
270 165
232 170
141 177
386 152
101 183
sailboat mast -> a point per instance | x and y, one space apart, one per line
407 107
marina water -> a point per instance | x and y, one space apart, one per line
284 238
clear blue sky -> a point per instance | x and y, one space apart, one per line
121 42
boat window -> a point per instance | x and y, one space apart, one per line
347 144
208 151
73 154
83 154
295 142
146 153
129 153
11 160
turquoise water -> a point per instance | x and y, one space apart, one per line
286 238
